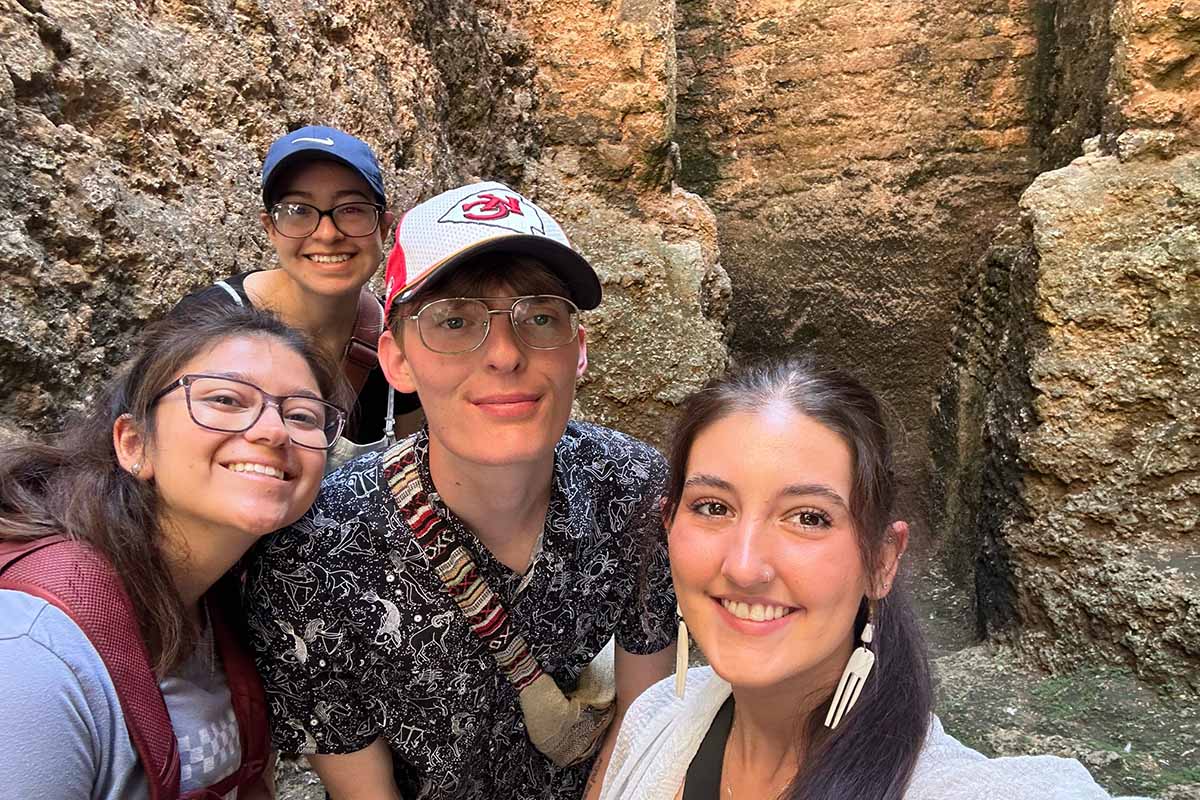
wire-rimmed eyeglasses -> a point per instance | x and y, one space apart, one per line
455 325
230 405
300 220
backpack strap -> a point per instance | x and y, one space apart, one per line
245 691
76 579
362 351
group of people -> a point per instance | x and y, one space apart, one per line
449 587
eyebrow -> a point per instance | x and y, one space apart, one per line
792 490
819 489
244 378
336 195
711 481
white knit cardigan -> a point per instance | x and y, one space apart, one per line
661 733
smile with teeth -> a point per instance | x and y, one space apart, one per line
334 259
756 612
261 469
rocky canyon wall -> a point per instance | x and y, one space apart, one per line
858 156
900 185
1066 436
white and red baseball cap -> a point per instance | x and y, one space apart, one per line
445 231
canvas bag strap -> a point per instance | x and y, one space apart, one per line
362 351
455 567
568 730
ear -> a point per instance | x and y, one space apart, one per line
129 442
894 544
394 364
581 367
385 224
264 219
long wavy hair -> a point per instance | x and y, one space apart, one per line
873 751
73 485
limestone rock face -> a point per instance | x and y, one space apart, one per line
131 135
857 156
1107 556
1066 437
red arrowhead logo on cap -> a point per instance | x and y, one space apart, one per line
497 209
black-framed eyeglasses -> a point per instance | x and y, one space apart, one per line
457 325
230 405
300 220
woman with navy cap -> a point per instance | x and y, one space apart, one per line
325 213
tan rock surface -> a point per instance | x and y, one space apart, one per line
1108 558
607 78
858 156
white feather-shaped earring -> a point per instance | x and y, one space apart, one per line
855 675
681 655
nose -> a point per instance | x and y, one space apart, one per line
326 230
502 350
269 429
748 560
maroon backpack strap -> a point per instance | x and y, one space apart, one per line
78 580
245 690
362 351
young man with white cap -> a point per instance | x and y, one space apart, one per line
443 621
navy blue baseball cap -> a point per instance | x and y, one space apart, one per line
317 142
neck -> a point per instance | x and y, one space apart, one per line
763 738
198 558
328 321
504 505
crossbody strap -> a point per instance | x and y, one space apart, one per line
460 576
362 351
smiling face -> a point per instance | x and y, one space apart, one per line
244 484
763 550
327 262
503 403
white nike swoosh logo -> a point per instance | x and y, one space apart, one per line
326 142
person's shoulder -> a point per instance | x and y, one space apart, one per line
659 706
949 769
19 613
594 441
47 639
349 499
226 292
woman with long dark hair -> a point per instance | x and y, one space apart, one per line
213 436
785 555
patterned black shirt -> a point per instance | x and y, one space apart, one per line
356 637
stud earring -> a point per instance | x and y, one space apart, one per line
681 654
136 469
855 675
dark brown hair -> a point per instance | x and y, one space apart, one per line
74 485
873 751
479 277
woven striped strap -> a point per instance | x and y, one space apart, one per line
453 564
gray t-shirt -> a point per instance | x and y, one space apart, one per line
64 736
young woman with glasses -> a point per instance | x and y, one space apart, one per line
325 213
213 436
